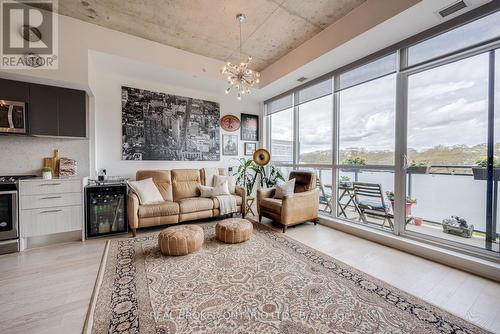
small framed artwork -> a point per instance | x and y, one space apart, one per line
250 148
249 127
229 144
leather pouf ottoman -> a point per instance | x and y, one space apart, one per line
233 230
180 240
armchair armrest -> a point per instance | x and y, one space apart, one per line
264 193
133 209
300 207
240 191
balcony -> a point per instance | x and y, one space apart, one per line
440 192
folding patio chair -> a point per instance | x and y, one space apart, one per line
370 201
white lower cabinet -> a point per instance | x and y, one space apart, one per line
36 222
50 206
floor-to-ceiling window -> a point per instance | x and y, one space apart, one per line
447 133
366 122
407 141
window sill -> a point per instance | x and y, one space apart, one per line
478 266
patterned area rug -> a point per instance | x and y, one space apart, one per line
270 284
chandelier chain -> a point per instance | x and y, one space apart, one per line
239 76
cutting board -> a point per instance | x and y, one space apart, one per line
53 163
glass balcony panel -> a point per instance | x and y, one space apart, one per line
369 204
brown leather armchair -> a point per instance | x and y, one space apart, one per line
300 207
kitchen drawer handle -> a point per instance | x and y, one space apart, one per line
50 211
50 184
51 197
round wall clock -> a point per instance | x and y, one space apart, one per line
230 123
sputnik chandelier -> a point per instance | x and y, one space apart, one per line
239 76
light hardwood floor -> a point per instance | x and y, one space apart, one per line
47 290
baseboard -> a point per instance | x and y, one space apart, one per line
477 266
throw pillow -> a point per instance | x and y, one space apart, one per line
231 182
285 188
221 189
206 191
147 191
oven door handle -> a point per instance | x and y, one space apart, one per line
9 116
8 192
50 211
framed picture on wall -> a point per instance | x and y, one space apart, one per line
249 127
250 148
229 145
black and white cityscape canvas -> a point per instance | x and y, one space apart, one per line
159 126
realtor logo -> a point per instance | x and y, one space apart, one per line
29 34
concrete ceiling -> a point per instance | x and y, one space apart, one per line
208 27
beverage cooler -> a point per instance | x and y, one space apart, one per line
106 210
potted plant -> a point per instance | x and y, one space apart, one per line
47 173
249 172
481 170
419 167
409 202
355 160
345 182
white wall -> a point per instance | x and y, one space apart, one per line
110 73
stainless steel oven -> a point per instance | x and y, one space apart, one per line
9 233
12 117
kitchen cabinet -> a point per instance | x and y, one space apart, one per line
42 110
50 207
57 111
72 113
14 90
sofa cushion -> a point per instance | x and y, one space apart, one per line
271 204
207 175
147 191
206 191
185 183
161 178
231 182
158 210
195 204
239 201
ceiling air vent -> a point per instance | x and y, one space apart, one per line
301 79
451 9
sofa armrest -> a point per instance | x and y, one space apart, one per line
133 209
300 207
240 191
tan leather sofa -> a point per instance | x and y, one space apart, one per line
297 208
179 188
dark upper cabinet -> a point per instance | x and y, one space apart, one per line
14 90
43 110
72 113
56 111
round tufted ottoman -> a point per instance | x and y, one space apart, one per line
180 240
233 230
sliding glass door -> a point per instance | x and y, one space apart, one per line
447 138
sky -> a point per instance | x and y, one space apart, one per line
447 105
